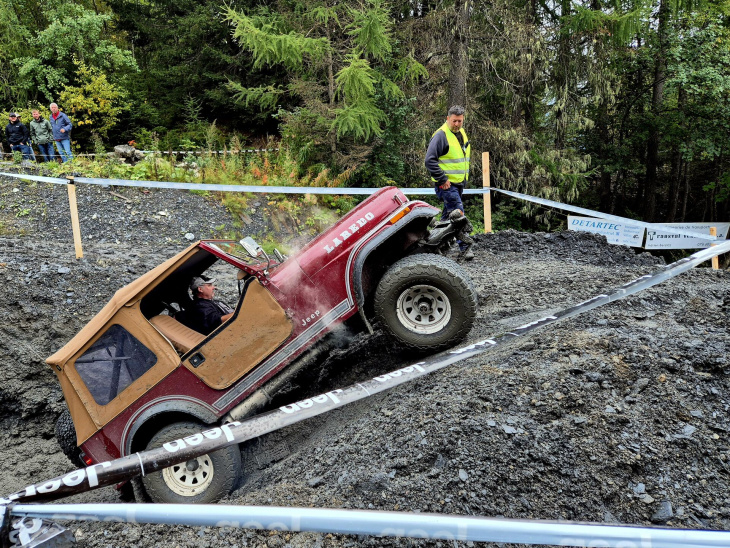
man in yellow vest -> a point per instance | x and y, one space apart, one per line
447 160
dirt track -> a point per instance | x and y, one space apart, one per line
606 417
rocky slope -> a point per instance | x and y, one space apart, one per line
617 416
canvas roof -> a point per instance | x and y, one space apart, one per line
126 295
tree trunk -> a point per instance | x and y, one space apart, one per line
657 98
459 54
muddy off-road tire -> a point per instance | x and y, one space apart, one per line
203 480
426 302
66 437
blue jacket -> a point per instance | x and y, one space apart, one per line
62 122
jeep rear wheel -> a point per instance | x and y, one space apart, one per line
426 302
66 437
201 480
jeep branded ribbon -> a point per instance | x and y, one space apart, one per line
358 192
182 450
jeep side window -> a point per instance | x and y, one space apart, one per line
112 363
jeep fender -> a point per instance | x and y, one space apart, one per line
141 427
404 233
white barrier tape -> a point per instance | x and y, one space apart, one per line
54 180
383 524
241 151
365 192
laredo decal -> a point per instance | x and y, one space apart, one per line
345 234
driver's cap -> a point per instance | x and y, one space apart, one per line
200 280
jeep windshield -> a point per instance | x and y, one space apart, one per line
235 250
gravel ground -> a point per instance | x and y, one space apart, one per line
618 416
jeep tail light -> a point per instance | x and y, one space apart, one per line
398 216
87 460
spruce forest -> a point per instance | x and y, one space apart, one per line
620 106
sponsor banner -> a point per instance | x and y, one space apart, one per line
615 233
347 191
591 213
177 451
385 524
693 237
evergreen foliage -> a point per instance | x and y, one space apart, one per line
619 106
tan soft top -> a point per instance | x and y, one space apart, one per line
126 295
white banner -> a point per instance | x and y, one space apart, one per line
656 239
615 233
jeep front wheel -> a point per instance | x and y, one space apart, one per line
426 302
201 480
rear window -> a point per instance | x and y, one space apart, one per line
112 363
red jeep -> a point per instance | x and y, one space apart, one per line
137 376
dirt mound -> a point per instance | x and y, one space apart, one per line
611 416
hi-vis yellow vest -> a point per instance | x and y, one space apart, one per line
455 163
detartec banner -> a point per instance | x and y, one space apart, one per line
615 233
177 451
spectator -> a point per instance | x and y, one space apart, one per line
41 133
17 135
61 133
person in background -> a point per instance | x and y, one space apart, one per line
61 126
18 136
41 133
447 160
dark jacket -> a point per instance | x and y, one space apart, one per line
438 146
205 315
62 122
41 131
16 133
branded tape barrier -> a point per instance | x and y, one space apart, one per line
355 192
384 524
108 473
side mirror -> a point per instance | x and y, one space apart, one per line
251 247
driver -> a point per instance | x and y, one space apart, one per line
206 314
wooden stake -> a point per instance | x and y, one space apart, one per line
487 195
715 259
71 186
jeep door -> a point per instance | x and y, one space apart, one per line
258 326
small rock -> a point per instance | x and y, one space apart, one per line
463 476
640 489
664 513
189 236
646 499
640 384
315 482
508 429
63 270
491 423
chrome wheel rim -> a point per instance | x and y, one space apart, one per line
189 478
423 309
